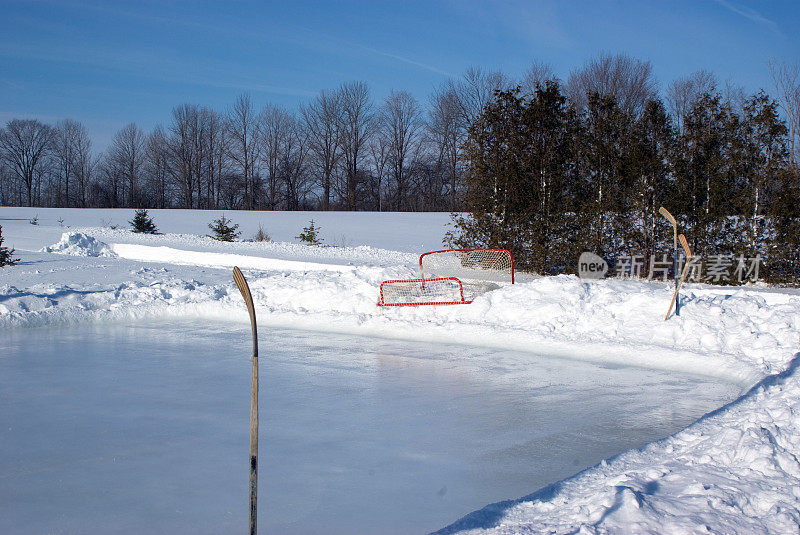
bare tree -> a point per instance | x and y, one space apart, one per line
198 155
182 153
6 187
536 75
245 145
474 91
24 146
734 97
786 77
294 165
445 133
630 81
62 144
276 128
683 93
379 157
323 120
216 154
157 169
83 166
127 156
356 126
401 123
72 147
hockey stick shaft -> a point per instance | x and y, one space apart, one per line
688 252
663 211
244 288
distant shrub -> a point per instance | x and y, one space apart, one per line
143 223
261 235
310 235
6 253
223 230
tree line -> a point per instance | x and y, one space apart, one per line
340 151
585 166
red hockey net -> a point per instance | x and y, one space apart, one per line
492 265
436 291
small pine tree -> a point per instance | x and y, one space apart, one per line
6 253
141 222
223 231
310 235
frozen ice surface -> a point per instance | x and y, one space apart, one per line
142 427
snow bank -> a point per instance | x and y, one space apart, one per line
80 244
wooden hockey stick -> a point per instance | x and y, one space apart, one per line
663 211
241 283
688 252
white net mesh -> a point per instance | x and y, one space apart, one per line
495 265
438 291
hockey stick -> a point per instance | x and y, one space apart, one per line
675 297
241 283
663 211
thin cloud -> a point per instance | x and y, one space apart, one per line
753 15
407 60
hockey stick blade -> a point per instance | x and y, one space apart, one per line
663 211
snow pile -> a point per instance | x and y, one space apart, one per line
80 244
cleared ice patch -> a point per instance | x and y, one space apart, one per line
80 244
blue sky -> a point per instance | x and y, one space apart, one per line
110 63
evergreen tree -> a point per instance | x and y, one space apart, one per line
143 223
519 179
6 254
223 230
498 187
784 255
706 170
310 235
648 165
606 137
765 155
550 127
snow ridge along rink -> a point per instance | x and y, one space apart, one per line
736 470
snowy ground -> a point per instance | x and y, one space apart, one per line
734 470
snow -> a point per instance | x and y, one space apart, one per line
734 470
79 244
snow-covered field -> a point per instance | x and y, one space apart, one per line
734 470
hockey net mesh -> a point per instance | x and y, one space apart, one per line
436 291
494 265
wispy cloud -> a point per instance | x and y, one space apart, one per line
751 14
406 60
